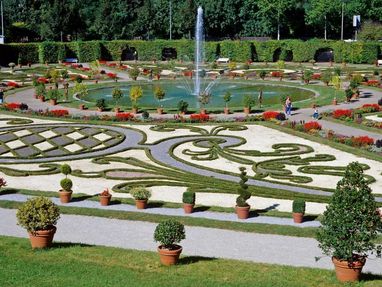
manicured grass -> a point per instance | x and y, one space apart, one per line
75 265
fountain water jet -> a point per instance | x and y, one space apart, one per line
199 40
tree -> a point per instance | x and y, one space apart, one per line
159 93
371 31
117 95
136 93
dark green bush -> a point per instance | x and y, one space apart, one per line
188 197
101 104
298 206
169 232
66 184
182 106
66 169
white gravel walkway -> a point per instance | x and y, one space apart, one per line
274 249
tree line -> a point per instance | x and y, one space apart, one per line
56 20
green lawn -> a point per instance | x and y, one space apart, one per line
75 265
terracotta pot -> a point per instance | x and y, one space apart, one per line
35 96
117 110
182 113
334 102
141 203
247 111
243 212
42 238
134 110
134 78
157 77
41 98
53 102
65 196
169 257
104 200
160 111
298 217
346 272
188 207
82 107
100 110
226 111
203 111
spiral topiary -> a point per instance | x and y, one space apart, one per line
244 194
66 184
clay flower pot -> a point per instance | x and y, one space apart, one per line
169 256
82 107
347 272
188 208
134 110
41 98
117 110
203 111
160 111
334 102
141 203
243 212
100 110
42 238
226 111
65 196
104 200
53 102
298 217
247 111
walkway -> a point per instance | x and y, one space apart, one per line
200 241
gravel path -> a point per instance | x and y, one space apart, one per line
209 242
221 216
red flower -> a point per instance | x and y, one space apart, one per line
124 116
316 76
370 108
102 62
373 83
312 126
59 113
277 74
270 115
42 80
12 106
111 75
362 141
13 84
338 114
199 117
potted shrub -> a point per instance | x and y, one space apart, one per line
101 105
40 92
134 73
248 102
141 196
159 94
262 74
117 95
104 197
307 76
82 107
298 210
53 95
242 207
66 184
182 107
157 71
188 199
38 216
168 233
136 93
350 225
227 98
204 99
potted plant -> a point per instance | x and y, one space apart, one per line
141 196
168 233
101 105
117 95
326 76
262 74
350 225
227 98
66 184
157 71
53 95
82 107
41 92
159 94
242 207
248 102
188 199
134 73
307 76
182 107
204 99
38 216
136 93
104 197
298 210
334 102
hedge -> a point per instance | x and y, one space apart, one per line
241 51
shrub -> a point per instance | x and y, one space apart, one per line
101 104
145 115
312 126
262 74
65 169
350 223
244 194
182 106
307 76
298 206
188 197
326 76
169 232
341 114
66 184
140 193
117 95
159 93
378 143
134 72
38 213
136 93
249 101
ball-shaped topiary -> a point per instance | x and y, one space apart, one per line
66 169
188 197
38 213
350 223
169 232
66 184
244 194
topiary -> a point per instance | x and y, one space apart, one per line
66 169
169 232
350 223
244 194
38 213
188 197
182 106
101 104
298 206
140 193
145 115
66 184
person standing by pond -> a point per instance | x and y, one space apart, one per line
288 106
260 98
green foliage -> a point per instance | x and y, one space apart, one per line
117 95
80 89
262 74
66 184
326 76
40 89
249 101
134 72
37 213
136 93
188 197
140 193
204 98
182 106
371 31
350 222
169 232
65 169
307 76
159 93
145 115
54 94
298 206
101 104
244 194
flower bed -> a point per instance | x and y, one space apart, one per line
268 115
59 113
199 117
12 106
111 75
316 76
370 108
312 126
277 74
342 114
362 141
42 80
372 83
13 84
124 116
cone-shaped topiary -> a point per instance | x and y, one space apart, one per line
66 184
350 223
188 197
298 206
244 194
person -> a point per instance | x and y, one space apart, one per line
288 106
316 115
1 96
260 98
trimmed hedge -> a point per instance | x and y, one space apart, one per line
241 51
